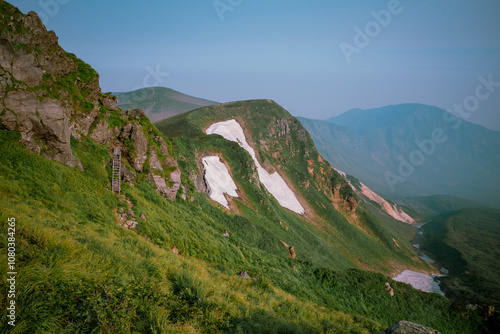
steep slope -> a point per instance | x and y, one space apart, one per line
53 100
160 102
412 150
161 257
276 143
392 209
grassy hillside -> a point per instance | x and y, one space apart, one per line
160 102
79 271
361 239
468 243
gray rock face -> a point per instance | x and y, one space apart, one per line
127 175
133 132
40 122
406 327
154 162
101 133
140 146
44 122
175 179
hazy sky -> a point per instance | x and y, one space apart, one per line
315 58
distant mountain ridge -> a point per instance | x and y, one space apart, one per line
412 150
160 102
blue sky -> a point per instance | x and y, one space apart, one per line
290 51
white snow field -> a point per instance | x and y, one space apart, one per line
219 181
419 281
274 183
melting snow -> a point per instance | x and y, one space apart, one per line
419 281
219 182
274 183
392 210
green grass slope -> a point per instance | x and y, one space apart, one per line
160 102
468 243
336 237
80 272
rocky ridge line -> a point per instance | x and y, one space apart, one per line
49 96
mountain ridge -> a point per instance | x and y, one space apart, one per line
160 102
428 152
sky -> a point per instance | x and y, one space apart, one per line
317 59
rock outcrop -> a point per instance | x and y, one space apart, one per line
406 327
49 96
43 89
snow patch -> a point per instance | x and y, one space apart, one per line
392 210
218 179
274 183
419 281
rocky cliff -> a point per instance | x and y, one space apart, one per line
51 97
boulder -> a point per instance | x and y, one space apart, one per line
136 113
406 327
129 214
158 182
389 289
244 274
109 101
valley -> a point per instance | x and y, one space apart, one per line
230 217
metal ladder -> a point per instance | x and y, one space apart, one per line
116 172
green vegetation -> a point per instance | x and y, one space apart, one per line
467 242
331 237
79 271
431 206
